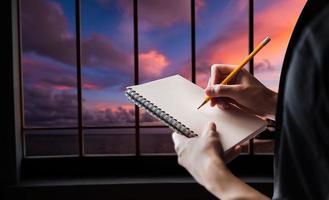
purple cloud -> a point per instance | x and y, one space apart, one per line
48 74
46 107
51 108
45 32
160 13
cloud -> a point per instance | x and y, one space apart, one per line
199 5
106 114
45 31
160 13
98 51
108 117
152 63
50 97
49 74
263 65
279 29
45 74
45 107
269 61
231 43
229 46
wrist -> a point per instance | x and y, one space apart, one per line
224 185
215 170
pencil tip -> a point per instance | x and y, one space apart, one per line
202 105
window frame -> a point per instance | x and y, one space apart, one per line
116 165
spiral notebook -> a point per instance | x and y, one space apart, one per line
174 101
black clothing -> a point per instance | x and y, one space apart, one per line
302 143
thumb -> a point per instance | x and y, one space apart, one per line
180 142
217 90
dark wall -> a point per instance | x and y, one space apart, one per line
9 135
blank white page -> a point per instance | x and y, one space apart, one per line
180 99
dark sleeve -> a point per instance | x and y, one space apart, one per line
302 168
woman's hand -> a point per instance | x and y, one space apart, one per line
244 90
203 158
200 154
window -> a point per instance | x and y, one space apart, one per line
219 38
79 55
276 19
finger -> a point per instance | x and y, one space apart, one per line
223 106
219 72
210 130
212 126
213 102
180 142
232 91
221 102
209 82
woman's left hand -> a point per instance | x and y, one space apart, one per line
199 155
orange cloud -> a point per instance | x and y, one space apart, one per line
152 62
277 19
229 48
273 18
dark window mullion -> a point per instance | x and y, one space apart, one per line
251 48
21 86
251 34
193 59
136 76
79 81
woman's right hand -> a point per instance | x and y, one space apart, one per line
244 90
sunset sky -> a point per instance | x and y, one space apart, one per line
48 57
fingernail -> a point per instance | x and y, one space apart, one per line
216 88
212 126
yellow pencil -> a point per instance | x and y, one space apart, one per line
238 68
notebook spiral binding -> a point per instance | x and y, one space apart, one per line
156 112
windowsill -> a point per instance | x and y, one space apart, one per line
147 188
126 181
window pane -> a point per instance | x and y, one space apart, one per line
263 146
49 63
277 20
51 142
107 59
221 34
110 141
156 141
164 29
